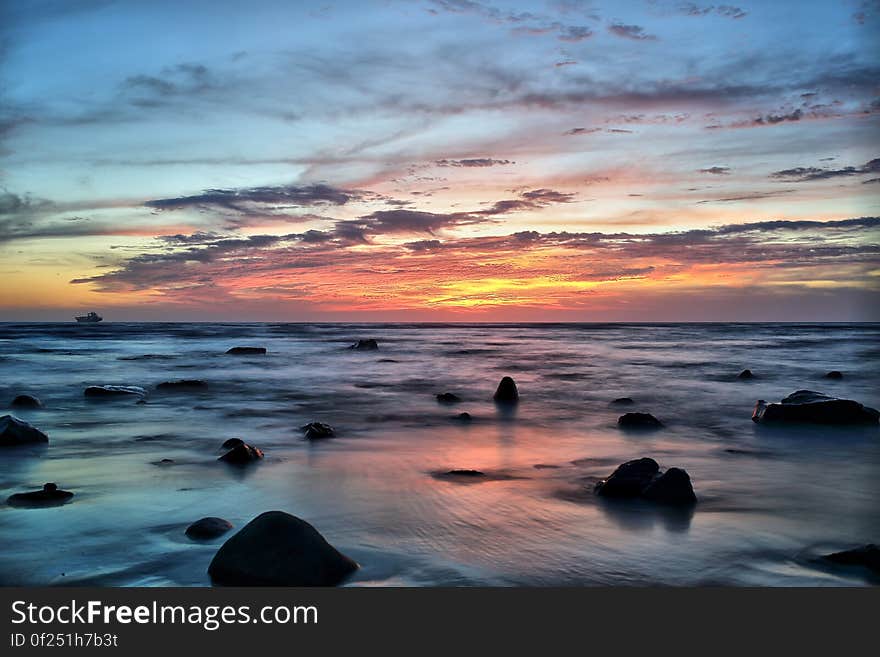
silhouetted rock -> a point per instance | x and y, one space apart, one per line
365 345
639 421
241 455
506 393
448 398
183 384
671 487
99 392
866 555
463 417
50 495
465 473
18 432
318 431
834 374
246 351
623 401
232 442
629 479
745 374
806 406
26 401
208 528
278 549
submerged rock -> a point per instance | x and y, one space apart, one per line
834 374
26 401
232 442
245 351
465 473
278 549
365 345
50 495
448 398
242 454
639 421
745 374
623 401
672 487
114 391
18 432
506 393
866 555
318 431
464 417
183 384
806 406
642 478
208 528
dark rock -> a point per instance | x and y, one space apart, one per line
866 555
241 455
448 398
671 487
232 442
246 351
814 407
745 374
18 432
318 431
623 401
50 495
639 421
278 549
506 393
629 479
208 528
114 391
26 401
466 473
464 417
365 345
834 374
183 384
164 462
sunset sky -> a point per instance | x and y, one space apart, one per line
440 160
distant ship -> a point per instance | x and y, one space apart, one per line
91 318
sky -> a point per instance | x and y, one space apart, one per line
440 160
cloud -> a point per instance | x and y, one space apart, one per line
474 162
718 171
267 198
809 174
728 11
634 32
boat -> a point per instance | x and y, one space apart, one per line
90 318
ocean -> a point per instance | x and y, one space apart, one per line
771 499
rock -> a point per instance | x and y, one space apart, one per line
318 431
745 374
464 417
278 549
50 495
816 408
834 374
246 351
465 473
114 391
629 479
18 432
183 384
671 487
232 442
365 345
448 398
866 555
208 528
242 455
164 462
639 421
506 393
623 401
26 401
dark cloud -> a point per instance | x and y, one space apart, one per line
772 119
245 200
808 174
634 32
718 171
728 11
474 162
573 33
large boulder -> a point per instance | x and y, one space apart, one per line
98 392
448 398
278 549
506 393
806 406
18 432
246 351
671 487
182 384
26 401
639 421
365 345
629 479
50 495
229 443
242 455
867 556
207 528
318 431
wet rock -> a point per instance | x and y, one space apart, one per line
208 528
318 431
18 432
183 384
464 417
232 442
639 421
26 401
745 374
242 455
99 392
672 487
806 406
278 549
465 473
867 556
164 462
506 393
629 479
448 398
50 495
365 345
834 374
246 351
623 401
